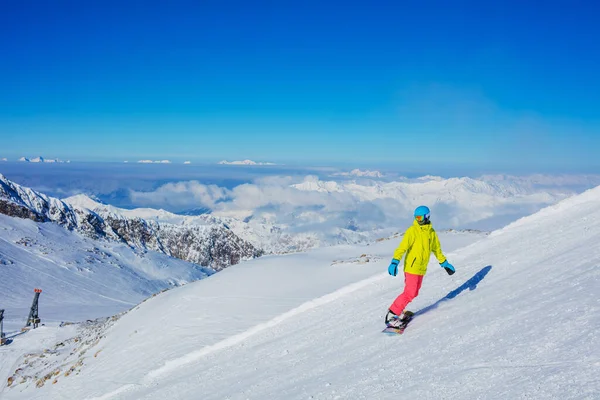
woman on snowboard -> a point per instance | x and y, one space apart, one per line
419 241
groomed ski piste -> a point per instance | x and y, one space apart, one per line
519 319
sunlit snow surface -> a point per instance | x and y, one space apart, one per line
519 319
81 278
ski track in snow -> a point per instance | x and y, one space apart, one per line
175 364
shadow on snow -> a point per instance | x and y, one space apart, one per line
471 284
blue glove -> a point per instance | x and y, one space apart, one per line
448 267
393 268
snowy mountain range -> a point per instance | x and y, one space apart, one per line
284 214
359 173
154 162
42 160
244 162
206 239
293 213
457 202
268 237
519 319
278 214
209 244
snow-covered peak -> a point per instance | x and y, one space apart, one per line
41 159
83 201
359 173
154 162
542 180
430 178
429 189
26 197
244 162
313 184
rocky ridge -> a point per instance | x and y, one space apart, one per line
213 245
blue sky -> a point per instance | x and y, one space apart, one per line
465 83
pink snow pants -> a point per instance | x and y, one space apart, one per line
412 284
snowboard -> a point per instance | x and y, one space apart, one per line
408 316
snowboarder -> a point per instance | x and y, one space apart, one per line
419 241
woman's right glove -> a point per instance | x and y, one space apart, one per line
448 267
393 268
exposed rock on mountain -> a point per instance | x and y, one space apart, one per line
213 245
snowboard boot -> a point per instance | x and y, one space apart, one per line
392 320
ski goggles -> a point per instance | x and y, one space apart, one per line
421 218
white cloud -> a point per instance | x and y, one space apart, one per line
188 194
303 203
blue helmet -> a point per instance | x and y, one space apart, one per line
422 214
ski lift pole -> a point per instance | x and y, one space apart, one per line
34 318
2 339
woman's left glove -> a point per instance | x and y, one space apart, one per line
393 268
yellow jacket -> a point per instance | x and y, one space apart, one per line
418 243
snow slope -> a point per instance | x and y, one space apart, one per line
519 319
209 314
81 278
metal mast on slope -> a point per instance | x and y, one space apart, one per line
34 318
2 339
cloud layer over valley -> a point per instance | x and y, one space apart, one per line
309 203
